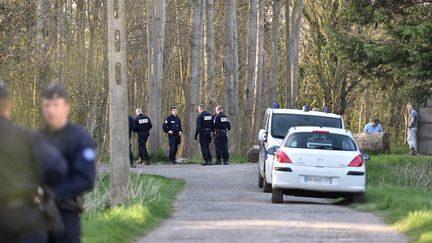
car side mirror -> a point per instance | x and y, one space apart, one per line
366 156
262 135
272 150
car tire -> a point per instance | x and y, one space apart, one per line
260 180
357 198
277 196
266 186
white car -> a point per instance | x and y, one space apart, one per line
276 125
319 162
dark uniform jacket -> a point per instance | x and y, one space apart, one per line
79 152
172 123
142 124
221 123
204 124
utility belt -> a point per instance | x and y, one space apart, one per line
70 205
217 131
39 199
220 132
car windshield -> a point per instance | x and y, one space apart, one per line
282 122
316 140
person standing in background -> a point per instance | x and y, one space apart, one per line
204 127
173 127
412 129
142 126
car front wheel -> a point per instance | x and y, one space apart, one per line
357 198
266 186
277 196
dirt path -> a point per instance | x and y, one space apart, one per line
223 204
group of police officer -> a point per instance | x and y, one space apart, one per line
43 174
208 126
215 126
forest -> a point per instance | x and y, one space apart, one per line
361 58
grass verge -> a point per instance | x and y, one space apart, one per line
399 188
151 201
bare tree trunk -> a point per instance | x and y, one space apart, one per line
155 33
60 40
193 89
44 60
272 86
209 63
250 72
295 39
288 53
118 86
259 68
230 67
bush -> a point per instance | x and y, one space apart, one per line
151 201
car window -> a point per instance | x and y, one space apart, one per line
282 122
325 141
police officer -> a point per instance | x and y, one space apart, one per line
142 126
204 125
28 164
77 148
221 126
172 126
131 157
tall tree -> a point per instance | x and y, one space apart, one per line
272 88
259 68
288 53
230 65
156 39
250 71
196 68
118 85
209 60
294 49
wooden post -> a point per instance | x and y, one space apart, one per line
119 141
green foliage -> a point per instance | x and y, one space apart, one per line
399 187
397 43
151 201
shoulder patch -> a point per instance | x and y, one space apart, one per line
224 119
207 118
89 154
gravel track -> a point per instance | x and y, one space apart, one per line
224 204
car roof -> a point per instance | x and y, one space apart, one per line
301 112
327 129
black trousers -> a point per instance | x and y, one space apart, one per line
221 144
72 232
204 140
142 145
174 141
